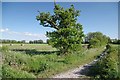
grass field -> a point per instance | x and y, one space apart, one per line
38 47
17 62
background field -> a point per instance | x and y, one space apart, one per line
38 47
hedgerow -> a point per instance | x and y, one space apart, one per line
107 67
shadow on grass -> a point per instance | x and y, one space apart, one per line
35 52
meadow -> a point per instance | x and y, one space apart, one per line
41 60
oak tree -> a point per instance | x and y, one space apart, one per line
68 34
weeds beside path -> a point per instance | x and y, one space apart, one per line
44 66
80 71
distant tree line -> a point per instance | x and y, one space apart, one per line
11 41
115 41
87 39
6 41
36 42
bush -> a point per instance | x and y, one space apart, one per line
51 57
107 67
9 72
96 39
16 58
94 43
35 66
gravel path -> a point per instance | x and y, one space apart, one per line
74 73
79 71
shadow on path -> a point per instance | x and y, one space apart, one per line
86 68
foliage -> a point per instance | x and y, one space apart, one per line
67 34
6 41
35 66
36 42
115 41
94 43
96 39
107 67
9 72
119 61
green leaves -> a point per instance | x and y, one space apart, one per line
107 67
96 39
68 34
9 72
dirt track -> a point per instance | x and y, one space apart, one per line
81 71
75 73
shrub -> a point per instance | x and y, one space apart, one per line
9 72
35 66
107 67
51 57
94 43
96 39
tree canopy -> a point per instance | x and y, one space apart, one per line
68 34
96 39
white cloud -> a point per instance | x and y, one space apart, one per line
13 32
34 35
4 30
23 34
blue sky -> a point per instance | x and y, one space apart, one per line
19 18
60 0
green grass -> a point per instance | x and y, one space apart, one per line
71 61
43 65
0 65
119 60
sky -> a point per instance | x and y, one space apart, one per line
60 0
118 20
19 18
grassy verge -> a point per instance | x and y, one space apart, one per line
43 65
72 61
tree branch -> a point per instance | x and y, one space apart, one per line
52 24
